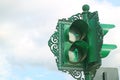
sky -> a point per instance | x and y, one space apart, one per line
26 26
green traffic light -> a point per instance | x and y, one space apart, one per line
78 43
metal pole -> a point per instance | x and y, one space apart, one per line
88 76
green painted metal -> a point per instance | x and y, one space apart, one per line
78 44
95 41
106 48
106 27
88 76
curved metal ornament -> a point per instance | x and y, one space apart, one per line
77 74
75 17
53 43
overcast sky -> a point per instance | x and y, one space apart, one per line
26 26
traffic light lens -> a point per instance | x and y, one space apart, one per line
77 52
77 33
78 29
73 37
73 56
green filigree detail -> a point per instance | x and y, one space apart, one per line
77 74
75 17
53 43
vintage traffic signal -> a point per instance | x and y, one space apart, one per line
78 43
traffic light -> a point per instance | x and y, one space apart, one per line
72 43
78 43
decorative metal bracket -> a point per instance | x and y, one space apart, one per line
77 74
53 43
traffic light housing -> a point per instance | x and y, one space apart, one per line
78 43
73 44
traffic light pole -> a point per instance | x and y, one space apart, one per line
88 76
85 13
85 8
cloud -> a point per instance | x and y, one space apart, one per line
5 68
24 45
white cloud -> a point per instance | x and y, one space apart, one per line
5 68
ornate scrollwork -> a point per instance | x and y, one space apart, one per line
75 17
53 43
77 74
72 18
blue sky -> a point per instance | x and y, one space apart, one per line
35 73
26 26
114 2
